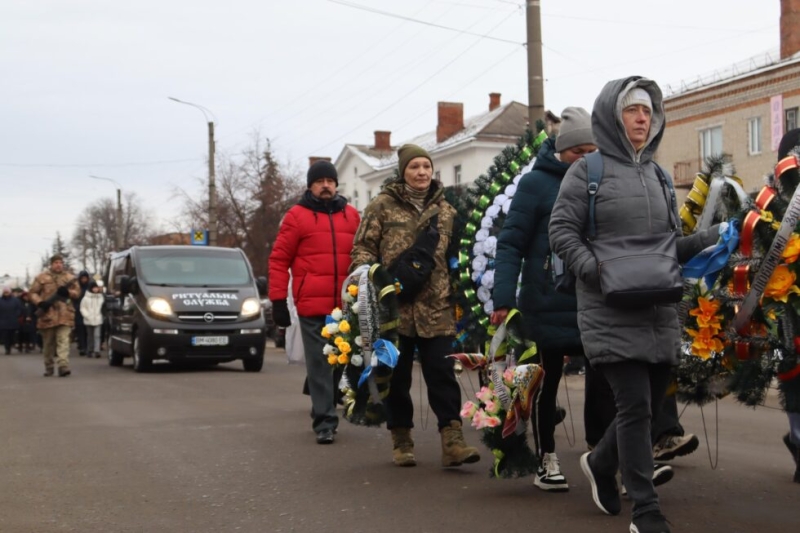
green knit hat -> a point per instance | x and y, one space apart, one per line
406 153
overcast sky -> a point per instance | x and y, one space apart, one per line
84 83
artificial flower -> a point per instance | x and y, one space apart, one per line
344 326
781 284
705 342
328 349
352 290
469 410
359 341
490 246
481 235
479 263
508 377
333 359
706 313
499 200
485 394
333 328
492 407
336 314
488 307
343 359
511 189
325 333
792 251
483 294
356 360
486 221
354 308
345 347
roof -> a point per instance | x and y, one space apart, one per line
506 122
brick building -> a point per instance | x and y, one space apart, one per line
742 114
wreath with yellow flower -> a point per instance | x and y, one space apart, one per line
741 320
360 337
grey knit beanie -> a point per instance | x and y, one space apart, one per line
636 96
575 129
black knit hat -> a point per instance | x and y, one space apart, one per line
788 142
321 169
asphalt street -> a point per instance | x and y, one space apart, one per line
218 449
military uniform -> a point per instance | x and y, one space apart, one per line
55 324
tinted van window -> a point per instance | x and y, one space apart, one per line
189 268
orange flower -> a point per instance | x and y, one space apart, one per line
706 313
792 251
343 359
333 359
352 290
705 342
781 283
325 333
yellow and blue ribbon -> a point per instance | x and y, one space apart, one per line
385 353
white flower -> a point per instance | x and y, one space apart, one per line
328 349
346 298
488 279
511 190
527 168
477 249
333 328
336 314
359 341
481 235
507 206
479 263
356 360
476 276
490 246
488 307
484 294
492 211
486 221
500 199
354 308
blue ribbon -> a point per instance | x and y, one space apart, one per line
710 261
329 320
386 354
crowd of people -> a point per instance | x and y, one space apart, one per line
628 356
58 309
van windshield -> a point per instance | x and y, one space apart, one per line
191 267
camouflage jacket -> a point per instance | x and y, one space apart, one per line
389 226
61 313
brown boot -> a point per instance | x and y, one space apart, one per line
403 447
454 450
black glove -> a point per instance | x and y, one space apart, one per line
63 292
280 313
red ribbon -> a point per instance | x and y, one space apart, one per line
791 374
787 163
741 279
746 242
742 350
765 196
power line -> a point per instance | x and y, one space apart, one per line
644 23
108 165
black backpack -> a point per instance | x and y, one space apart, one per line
413 267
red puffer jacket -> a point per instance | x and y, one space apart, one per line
314 240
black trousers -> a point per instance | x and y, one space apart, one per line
544 402
444 395
599 408
80 333
8 338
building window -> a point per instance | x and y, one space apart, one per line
437 176
369 196
791 119
754 135
710 142
355 171
457 172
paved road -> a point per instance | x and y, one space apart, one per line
218 450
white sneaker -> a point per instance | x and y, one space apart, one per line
549 476
674 446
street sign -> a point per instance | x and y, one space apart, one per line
200 237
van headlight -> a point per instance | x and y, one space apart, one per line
159 306
250 307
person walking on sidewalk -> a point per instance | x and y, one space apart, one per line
92 312
634 349
549 317
411 206
314 242
51 292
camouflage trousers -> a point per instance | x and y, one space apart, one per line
56 347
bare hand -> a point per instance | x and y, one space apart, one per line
499 316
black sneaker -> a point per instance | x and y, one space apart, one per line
795 451
661 474
549 476
652 522
604 488
673 446
325 436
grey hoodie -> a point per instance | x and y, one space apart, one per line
629 201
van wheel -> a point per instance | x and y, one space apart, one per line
253 364
141 362
114 357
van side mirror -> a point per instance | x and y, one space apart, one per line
261 285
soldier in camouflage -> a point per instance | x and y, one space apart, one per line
390 225
51 292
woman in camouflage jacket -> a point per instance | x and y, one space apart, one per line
390 225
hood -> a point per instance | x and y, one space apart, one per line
547 161
309 201
607 120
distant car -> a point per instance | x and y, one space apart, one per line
274 332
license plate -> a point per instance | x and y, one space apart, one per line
209 341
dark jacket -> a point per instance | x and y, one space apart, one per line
629 201
390 226
523 245
314 240
11 311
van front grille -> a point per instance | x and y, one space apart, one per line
207 318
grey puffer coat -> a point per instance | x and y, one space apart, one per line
629 201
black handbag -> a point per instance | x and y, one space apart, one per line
413 267
636 271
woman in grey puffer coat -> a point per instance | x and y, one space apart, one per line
634 349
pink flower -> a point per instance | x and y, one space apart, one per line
492 407
492 421
469 409
508 377
485 394
482 420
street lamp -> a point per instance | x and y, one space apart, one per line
118 236
212 187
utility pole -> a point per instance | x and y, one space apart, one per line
533 15
212 189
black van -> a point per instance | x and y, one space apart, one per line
184 303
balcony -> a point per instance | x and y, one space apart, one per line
684 172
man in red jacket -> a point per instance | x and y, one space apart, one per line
314 242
